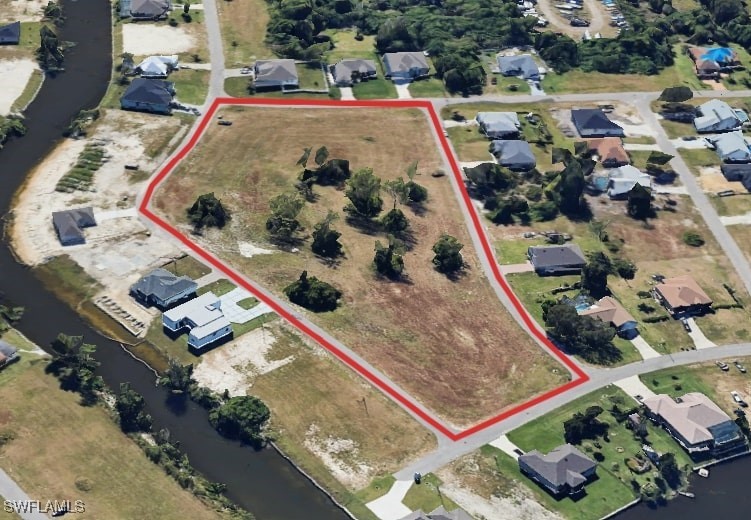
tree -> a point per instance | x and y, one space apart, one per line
669 470
582 335
74 365
49 55
321 155
461 71
625 268
283 223
130 407
584 426
363 191
178 378
313 294
693 239
395 222
489 178
398 191
389 261
639 205
595 274
676 94
571 188
207 211
448 258
242 418
326 240
186 7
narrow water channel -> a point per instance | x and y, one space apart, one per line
261 482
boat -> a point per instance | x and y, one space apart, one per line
703 472
687 494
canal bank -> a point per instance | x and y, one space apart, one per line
261 482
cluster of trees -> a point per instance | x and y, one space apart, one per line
74 366
207 211
9 316
50 53
587 337
11 126
130 407
585 426
313 294
242 418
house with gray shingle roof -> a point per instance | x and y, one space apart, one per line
499 125
69 225
522 65
553 260
513 154
344 70
405 65
275 74
11 33
563 471
162 288
145 9
731 147
716 116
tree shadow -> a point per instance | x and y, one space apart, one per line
364 225
177 403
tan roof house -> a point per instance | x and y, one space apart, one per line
682 295
609 310
609 150
696 423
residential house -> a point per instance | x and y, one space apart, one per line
513 154
609 310
738 173
697 424
405 65
162 288
275 74
202 317
522 65
681 295
10 34
8 354
499 125
346 71
145 9
149 95
592 122
157 66
710 62
731 147
716 116
622 180
556 260
563 471
609 151
439 514
69 225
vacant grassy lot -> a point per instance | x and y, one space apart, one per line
345 46
613 488
386 322
699 158
243 31
735 205
191 85
316 402
742 235
705 378
237 87
187 266
377 88
431 87
55 458
427 495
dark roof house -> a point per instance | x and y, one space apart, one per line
513 154
148 95
522 65
563 471
69 225
275 74
592 122
682 295
499 125
162 288
10 34
738 173
344 69
148 9
439 514
552 260
405 65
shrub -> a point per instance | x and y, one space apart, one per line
693 239
313 294
84 484
172 22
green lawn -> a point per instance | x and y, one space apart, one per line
247 303
378 487
187 266
191 86
639 158
311 76
735 205
427 495
613 488
219 287
25 356
29 92
739 80
345 46
30 35
243 27
431 87
699 158
676 129
675 381
511 252
378 88
237 87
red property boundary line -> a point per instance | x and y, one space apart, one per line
580 378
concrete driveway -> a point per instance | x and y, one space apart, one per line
526 267
698 337
633 387
506 446
389 506
236 314
402 89
645 349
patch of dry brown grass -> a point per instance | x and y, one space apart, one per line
451 344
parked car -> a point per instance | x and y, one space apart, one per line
518 451
740 367
737 398
224 122
722 366
685 324
246 70
689 138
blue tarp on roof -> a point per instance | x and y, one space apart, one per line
718 54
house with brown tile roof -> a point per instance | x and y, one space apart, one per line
609 310
682 295
696 423
609 150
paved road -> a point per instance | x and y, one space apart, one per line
216 52
9 490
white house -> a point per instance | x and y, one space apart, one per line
731 147
623 179
716 116
157 66
202 317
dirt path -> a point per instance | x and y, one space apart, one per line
593 11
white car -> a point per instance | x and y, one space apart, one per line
737 398
246 70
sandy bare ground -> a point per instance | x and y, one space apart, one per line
21 10
147 39
234 366
14 75
340 458
118 250
712 180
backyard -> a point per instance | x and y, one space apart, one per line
383 321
